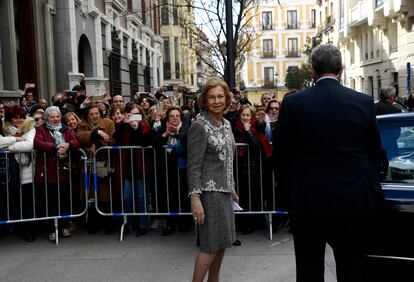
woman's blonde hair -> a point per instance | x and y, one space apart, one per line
210 84
69 114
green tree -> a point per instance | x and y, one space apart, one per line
294 78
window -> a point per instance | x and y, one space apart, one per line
167 59
292 20
293 47
268 48
352 53
164 12
175 12
133 70
115 65
177 59
313 18
269 76
397 138
267 20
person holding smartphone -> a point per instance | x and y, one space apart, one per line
134 131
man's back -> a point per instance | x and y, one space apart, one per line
384 107
327 150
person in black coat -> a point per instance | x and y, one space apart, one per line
327 153
171 144
385 105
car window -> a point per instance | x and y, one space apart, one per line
398 142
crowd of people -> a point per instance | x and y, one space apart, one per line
324 147
74 120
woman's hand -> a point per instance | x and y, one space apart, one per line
234 197
105 136
247 126
198 210
62 148
92 150
134 124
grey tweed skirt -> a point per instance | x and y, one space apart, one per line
218 230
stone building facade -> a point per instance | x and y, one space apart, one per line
113 45
376 39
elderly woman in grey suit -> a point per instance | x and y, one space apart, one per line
211 149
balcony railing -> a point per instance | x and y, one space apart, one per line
268 83
269 54
292 26
267 26
292 54
359 11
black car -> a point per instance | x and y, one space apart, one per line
391 246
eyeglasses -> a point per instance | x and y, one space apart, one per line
36 119
274 108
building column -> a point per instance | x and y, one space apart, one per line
13 55
98 47
74 75
48 11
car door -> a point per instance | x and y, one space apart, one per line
391 248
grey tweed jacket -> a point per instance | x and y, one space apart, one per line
211 149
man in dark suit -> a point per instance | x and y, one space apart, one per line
385 105
327 153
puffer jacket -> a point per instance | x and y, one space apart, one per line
27 132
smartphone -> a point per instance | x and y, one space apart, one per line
169 93
143 95
135 117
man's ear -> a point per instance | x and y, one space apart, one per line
338 76
314 74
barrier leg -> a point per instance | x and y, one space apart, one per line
56 231
121 236
270 227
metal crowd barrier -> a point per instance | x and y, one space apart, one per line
159 179
37 201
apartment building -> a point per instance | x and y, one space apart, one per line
280 32
177 25
376 40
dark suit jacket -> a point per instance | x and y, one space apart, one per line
384 107
327 152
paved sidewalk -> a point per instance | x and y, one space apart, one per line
100 257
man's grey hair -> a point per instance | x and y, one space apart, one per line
387 92
326 58
49 111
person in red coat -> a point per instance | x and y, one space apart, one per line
134 131
53 142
